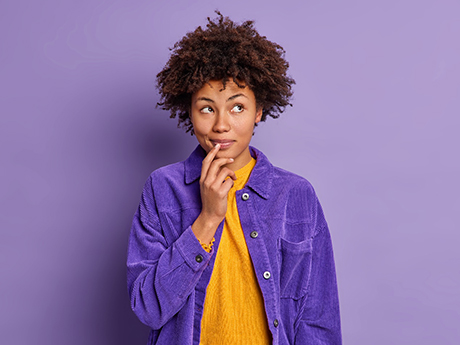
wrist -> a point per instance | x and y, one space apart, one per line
205 227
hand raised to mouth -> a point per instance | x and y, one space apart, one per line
215 183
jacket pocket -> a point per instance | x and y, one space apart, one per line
295 267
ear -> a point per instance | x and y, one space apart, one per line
259 115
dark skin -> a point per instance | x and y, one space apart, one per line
225 51
223 121
213 194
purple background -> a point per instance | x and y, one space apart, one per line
374 127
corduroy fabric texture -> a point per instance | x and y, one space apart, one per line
168 269
234 310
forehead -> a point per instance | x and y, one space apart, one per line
216 88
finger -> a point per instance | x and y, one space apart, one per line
208 160
227 172
219 184
221 178
227 185
216 167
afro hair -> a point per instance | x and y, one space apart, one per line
224 51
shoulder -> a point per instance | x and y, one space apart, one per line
280 179
184 172
162 179
175 187
165 184
293 180
290 192
298 190
173 171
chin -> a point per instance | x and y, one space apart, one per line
223 154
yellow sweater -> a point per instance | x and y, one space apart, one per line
234 310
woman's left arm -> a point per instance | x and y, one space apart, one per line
319 318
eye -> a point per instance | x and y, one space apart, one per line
237 108
206 110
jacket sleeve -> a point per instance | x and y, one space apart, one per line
319 319
161 275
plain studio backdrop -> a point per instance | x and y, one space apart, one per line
374 127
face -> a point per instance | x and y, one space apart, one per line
226 117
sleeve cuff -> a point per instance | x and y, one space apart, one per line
207 247
192 251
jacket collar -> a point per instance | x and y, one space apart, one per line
193 165
260 180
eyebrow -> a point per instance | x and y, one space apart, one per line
236 96
228 100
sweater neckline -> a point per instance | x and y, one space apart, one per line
242 174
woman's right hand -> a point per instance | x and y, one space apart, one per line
214 188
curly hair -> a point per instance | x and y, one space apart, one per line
224 51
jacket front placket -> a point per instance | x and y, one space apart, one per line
265 270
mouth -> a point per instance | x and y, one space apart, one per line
224 143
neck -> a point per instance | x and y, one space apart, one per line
241 161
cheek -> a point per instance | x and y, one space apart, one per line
199 131
197 126
245 129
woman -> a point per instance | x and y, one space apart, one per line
225 248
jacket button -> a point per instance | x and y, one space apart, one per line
254 234
245 196
199 258
276 323
267 275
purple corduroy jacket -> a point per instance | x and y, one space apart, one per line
287 237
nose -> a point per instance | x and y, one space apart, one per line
221 123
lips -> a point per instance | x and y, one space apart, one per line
224 143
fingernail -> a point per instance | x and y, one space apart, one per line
217 146
231 159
